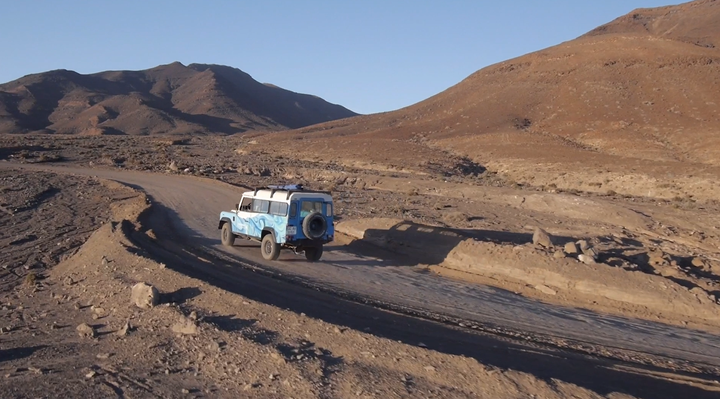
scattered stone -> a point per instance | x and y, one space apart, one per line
85 330
103 356
91 374
173 166
123 331
185 391
698 262
429 368
559 255
588 260
583 244
658 258
68 281
571 248
545 289
591 252
185 326
145 296
542 238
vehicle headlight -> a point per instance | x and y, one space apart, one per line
291 230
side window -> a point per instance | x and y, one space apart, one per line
328 209
246 204
260 206
278 208
293 209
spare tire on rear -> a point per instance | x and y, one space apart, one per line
314 226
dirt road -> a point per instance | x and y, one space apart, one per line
191 206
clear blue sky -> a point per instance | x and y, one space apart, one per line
370 55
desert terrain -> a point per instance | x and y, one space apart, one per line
547 228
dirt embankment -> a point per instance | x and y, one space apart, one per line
614 273
203 341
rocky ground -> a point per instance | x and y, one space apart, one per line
203 341
90 327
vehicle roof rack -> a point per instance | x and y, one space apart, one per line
289 189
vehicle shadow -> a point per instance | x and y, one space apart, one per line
227 272
424 244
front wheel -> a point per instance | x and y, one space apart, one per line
226 235
313 254
269 248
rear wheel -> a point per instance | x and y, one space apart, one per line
313 254
269 248
226 235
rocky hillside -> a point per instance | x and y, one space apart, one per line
645 86
174 99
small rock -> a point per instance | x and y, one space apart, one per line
698 262
123 331
559 254
545 289
145 296
542 238
185 326
68 281
91 374
173 166
422 345
591 252
103 356
588 260
658 258
571 248
429 368
583 244
85 330
337 330
185 391
193 315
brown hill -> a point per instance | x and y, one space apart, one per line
643 88
167 99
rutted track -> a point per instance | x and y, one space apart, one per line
187 210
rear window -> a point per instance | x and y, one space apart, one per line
308 207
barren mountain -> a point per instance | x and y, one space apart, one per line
167 99
643 88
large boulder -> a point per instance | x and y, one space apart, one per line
145 296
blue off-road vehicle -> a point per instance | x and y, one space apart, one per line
281 217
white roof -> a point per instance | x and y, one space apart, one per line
281 195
